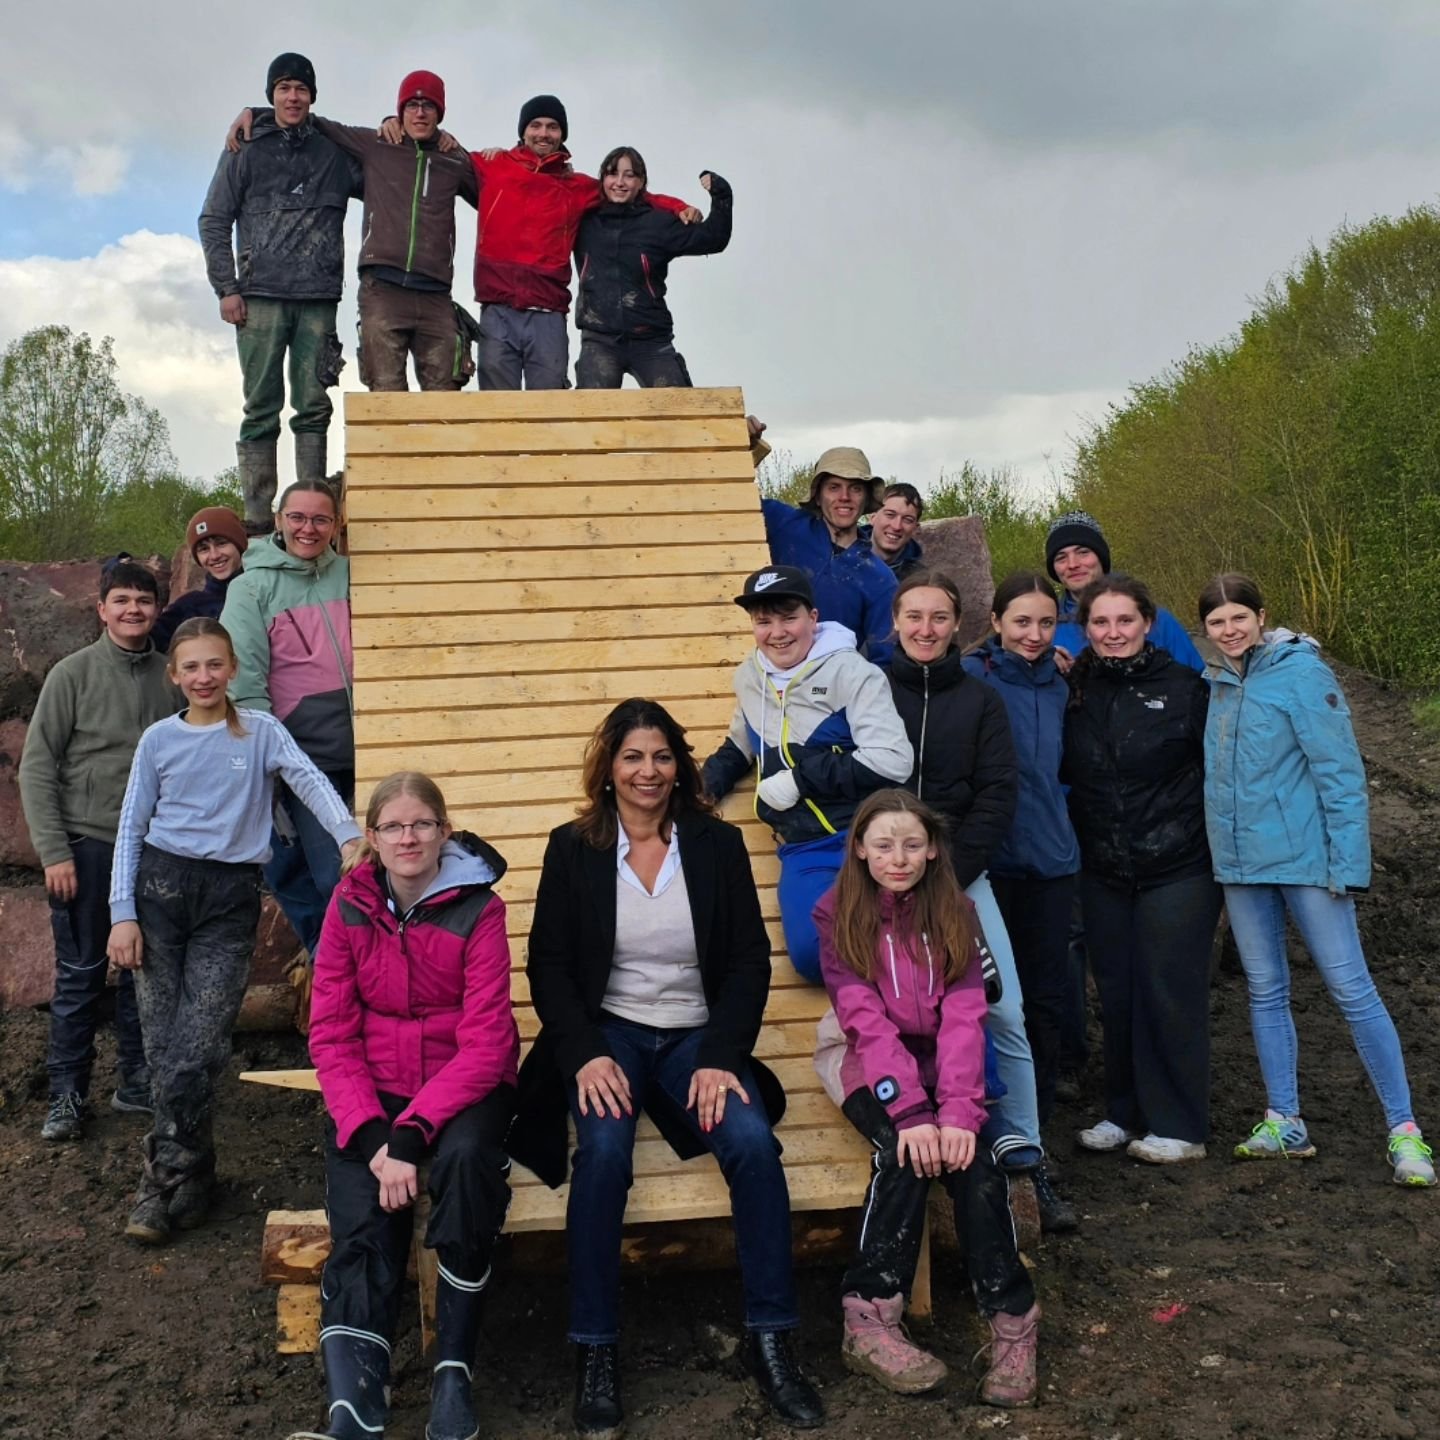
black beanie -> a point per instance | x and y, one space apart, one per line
1076 527
544 107
289 66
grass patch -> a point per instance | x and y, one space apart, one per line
1427 713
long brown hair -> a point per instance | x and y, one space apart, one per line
203 627
597 819
941 916
414 783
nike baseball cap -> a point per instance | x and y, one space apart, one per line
776 582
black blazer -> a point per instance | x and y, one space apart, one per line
572 945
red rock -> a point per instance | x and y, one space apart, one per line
15 846
46 612
957 546
186 573
275 946
27 949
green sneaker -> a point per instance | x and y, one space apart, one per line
1410 1156
1277 1137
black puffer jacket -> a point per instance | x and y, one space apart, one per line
1135 764
964 757
287 189
623 253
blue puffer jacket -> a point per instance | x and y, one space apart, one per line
1285 796
1041 844
852 586
1167 633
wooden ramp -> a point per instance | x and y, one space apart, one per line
521 562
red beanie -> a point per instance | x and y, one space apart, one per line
422 85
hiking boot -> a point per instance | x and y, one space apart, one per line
132 1094
190 1200
1107 1135
1067 1087
1057 1214
1010 1382
597 1410
876 1345
1157 1150
65 1119
1410 1156
149 1221
771 1360
1277 1137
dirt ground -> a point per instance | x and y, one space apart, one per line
1303 1299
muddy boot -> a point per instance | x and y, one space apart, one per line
259 479
357 1382
457 1329
310 456
190 1199
597 1410
771 1360
149 1221
1010 1382
876 1345
1057 1215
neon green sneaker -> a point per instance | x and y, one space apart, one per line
1277 1137
1410 1156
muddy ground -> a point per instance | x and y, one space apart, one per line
1311 1292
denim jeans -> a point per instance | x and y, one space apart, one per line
532 346
81 928
663 1061
1327 926
302 873
605 361
1006 1021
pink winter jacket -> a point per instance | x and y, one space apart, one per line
917 1044
414 1005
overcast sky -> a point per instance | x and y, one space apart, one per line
962 226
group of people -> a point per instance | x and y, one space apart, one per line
946 820
272 231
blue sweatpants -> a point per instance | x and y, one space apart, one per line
807 870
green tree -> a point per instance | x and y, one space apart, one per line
71 441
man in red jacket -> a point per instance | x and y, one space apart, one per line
531 205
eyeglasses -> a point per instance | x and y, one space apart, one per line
428 106
392 830
296 521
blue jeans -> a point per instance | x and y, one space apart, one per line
663 1061
1006 1021
302 873
807 870
532 346
1327 926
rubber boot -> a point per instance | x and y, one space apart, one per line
259 479
876 1345
149 1221
357 1383
1010 1381
190 1199
598 1414
457 1330
310 456
771 1360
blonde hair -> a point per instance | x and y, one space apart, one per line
414 783
202 627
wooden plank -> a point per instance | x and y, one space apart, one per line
921 1305
456 568
297 1319
426 1265
735 497
294 1247
549 437
551 592
467 407
543 632
284 1079
517 473
434 658
552 532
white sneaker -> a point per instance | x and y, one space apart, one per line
1156 1150
1107 1135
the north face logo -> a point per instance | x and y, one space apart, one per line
299 189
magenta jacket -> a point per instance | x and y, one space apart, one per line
917 1044
416 1005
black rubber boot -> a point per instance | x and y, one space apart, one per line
259 479
190 1200
597 1392
310 456
457 1330
357 1382
771 1360
149 1221
1057 1214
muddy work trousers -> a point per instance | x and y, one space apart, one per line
398 324
299 334
605 361
893 1222
198 919
469 1189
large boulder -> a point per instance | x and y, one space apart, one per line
957 546
27 947
15 846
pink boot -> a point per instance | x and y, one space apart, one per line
1010 1382
876 1345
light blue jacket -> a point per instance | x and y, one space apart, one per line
1285 796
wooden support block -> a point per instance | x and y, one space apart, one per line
268 1008
297 1319
921 1305
284 1079
294 1247
1025 1212
427 1272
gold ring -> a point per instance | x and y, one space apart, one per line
722 1088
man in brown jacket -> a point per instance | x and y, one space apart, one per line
407 245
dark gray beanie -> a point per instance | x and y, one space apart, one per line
289 66
544 107
1075 527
